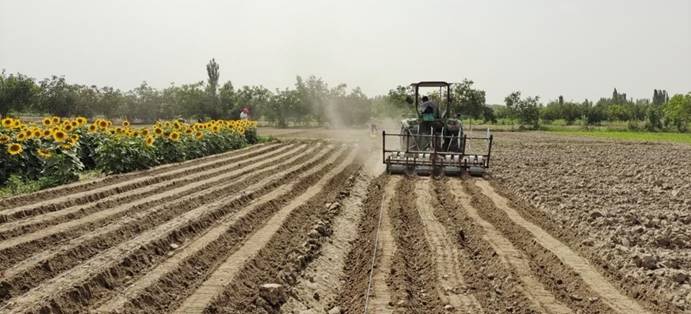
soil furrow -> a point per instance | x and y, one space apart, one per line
277 230
318 287
413 276
34 270
206 249
516 259
14 245
78 187
34 223
91 195
487 277
447 256
135 222
605 291
97 276
380 295
358 263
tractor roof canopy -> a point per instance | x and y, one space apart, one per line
431 84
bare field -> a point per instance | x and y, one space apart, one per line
310 224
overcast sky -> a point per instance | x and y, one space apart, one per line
579 49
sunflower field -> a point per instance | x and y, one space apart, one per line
57 150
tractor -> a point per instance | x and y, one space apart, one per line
434 142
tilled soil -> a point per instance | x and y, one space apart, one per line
305 226
625 206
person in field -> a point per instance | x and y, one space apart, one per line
245 113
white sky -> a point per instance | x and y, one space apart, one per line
581 49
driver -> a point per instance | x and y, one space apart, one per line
429 106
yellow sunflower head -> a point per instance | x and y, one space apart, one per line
44 153
68 127
126 124
144 132
4 139
8 122
15 148
21 136
103 124
37 133
81 120
56 120
92 128
150 141
158 131
59 136
69 143
199 135
47 121
175 136
74 138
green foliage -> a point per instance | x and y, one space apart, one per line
16 92
15 185
527 110
468 101
61 168
124 154
677 112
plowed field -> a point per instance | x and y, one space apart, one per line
311 224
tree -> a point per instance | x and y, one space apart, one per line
211 105
17 92
678 111
526 109
466 100
57 97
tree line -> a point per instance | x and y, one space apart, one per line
658 113
312 101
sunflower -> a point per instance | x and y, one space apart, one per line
150 141
144 132
44 153
7 122
16 124
15 148
47 133
37 133
126 124
67 127
74 124
56 120
103 124
158 131
199 135
59 136
92 128
74 137
4 139
81 120
69 143
21 137
215 128
47 121
175 136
